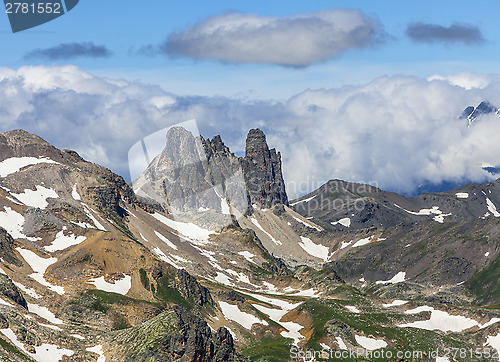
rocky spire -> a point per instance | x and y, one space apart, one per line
262 171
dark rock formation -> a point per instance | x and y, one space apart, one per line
196 173
262 170
330 273
471 112
7 248
10 291
190 289
232 296
174 335
279 267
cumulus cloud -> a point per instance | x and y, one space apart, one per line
296 41
456 33
70 51
399 132
467 80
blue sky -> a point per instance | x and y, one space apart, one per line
123 27
365 91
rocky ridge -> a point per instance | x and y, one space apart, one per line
110 277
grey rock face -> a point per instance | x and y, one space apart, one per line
182 177
37 219
194 175
262 170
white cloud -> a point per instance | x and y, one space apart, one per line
467 80
398 131
296 41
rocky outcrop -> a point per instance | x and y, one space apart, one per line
471 113
178 177
7 248
190 289
193 174
9 290
279 267
105 187
174 335
262 170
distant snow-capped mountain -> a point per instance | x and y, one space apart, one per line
471 113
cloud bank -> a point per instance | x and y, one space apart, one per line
456 33
70 50
295 41
398 131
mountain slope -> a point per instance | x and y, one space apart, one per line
93 271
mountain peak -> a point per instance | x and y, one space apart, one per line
471 113
262 170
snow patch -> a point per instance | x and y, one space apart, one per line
14 164
306 224
12 222
363 242
443 321
492 208
439 216
97 349
352 309
166 241
225 209
345 244
341 343
462 195
39 266
311 292
88 212
37 198
165 258
4 302
305 200
370 344
316 250
44 312
121 286
398 278
29 291
247 255
344 222
62 241
276 314
192 232
75 194
494 341
43 353
395 303
223 279
233 312
256 223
